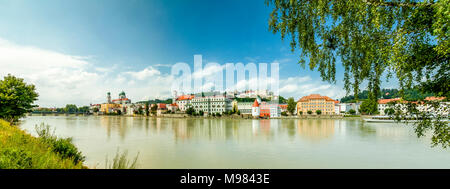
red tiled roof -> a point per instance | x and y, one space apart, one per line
162 106
185 97
255 104
315 96
432 98
385 101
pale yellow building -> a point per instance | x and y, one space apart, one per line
315 102
108 108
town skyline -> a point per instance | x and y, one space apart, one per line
98 52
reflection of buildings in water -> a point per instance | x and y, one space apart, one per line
114 123
263 126
315 129
180 129
390 131
255 127
340 126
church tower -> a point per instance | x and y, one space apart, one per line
256 109
108 97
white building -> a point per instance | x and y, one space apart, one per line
211 102
183 101
256 109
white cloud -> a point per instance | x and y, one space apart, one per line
301 86
144 74
65 79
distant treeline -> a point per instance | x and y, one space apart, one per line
156 101
70 108
409 94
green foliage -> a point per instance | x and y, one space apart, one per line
430 121
16 98
71 108
20 150
120 161
318 112
64 147
284 114
13 158
389 111
235 109
372 38
238 112
291 105
201 113
282 100
190 110
352 111
309 112
408 94
369 106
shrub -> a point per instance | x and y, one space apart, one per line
283 113
64 147
309 112
318 112
352 111
120 161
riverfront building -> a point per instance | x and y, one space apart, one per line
316 102
211 102
183 101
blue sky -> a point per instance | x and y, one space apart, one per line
112 37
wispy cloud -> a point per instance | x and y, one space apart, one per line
62 79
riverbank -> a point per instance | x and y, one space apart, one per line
20 150
242 116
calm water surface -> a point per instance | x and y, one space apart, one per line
227 143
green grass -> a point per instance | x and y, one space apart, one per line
20 150
120 161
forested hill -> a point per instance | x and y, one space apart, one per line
410 94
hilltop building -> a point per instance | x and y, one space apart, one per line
316 102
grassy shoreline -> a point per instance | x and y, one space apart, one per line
20 150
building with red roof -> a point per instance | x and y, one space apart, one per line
316 102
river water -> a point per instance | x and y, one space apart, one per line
229 143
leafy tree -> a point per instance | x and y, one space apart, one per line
370 38
16 98
389 111
190 110
95 110
71 108
201 113
239 112
84 109
291 105
153 109
147 113
352 111
318 112
282 100
235 109
369 106
309 112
